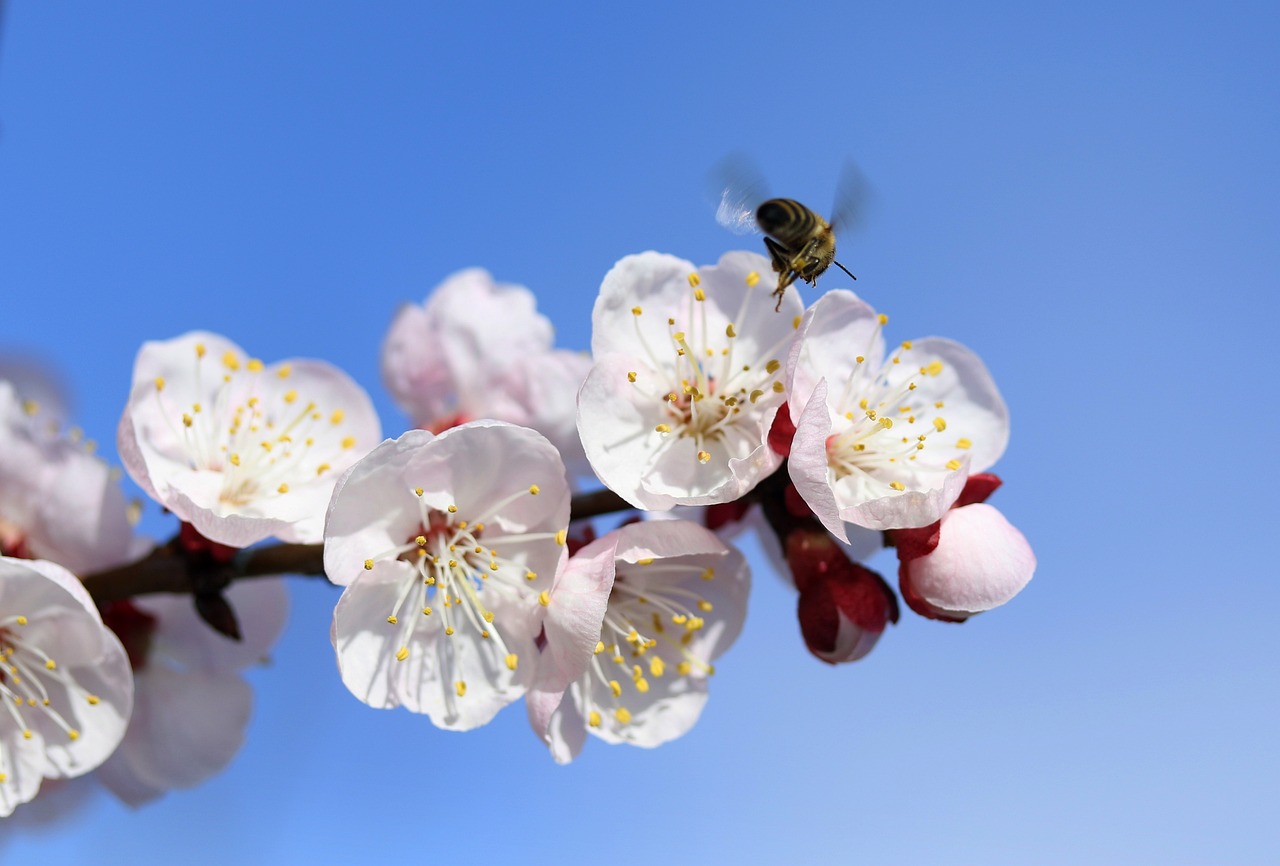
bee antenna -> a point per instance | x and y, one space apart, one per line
843 268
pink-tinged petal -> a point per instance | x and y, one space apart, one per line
373 507
807 464
566 733
573 616
649 278
981 562
834 332
23 766
908 508
425 677
972 407
186 726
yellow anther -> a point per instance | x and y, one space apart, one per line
964 444
953 465
368 565
684 668
337 416
234 459
448 629
679 618
544 598
266 446
635 311
560 537
678 336
186 420
884 320
729 331
616 688
599 647
284 371
704 605
694 280
453 563
897 485
230 361
323 468
200 350
159 383
622 715
593 719
772 366
73 734
704 456
886 422
934 368
752 279
795 323
939 424
22 620
93 700
392 619
402 653
756 395
51 664
778 387
531 575
642 685
708 574
426 611
254 365
348 442
283 488
534 489
290 396
631 376
453 509
512 661
460 688
657 666
488 616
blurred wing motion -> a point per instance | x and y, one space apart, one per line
853 194
738 188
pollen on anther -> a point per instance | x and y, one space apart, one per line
323 468
594 719
186 420
953 465
560 537
200 350
234 459
283 488
631 376
448 629
392 619
897 485
752 279
704 457
616 688
460 687
368 565
939 424
254 365
544 598
534 489
964 443
635 311
93 700
623 715
883 319
512 661
348 442
230 361
756 395
159 383
22 620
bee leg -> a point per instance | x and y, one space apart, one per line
780 255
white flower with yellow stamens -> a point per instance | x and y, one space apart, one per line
65 683
885 443
688 376
240 449
678 601
449 547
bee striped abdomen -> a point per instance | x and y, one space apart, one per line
789 222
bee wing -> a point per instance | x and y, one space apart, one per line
853 194
737 188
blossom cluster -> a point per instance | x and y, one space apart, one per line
468 581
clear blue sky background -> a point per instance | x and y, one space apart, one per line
1085 194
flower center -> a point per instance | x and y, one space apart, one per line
457 568
648 628
705 382
257 431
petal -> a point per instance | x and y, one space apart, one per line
807 464
981 562
261 607
186 727
835 331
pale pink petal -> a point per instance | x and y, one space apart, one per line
807 464
981 562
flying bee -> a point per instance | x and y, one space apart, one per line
801 244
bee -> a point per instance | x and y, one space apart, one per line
800 242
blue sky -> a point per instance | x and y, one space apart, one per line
1086 195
